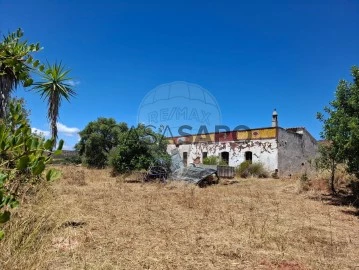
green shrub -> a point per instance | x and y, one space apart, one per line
223 163
242 169
73 160
125 159
257 169
247 169
23 160
211 160
97 140
137 149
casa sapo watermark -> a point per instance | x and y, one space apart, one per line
154 135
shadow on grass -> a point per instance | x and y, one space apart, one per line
342 198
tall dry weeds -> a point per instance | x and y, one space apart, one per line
108 223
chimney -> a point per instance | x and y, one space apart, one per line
274 118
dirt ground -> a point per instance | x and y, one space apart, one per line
90 220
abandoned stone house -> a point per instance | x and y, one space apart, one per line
290 151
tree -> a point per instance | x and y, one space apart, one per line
97 140
53 88
105 142
328 160
137 149
16 64
341 127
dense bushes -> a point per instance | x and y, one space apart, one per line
130 155
23 160
76 159
137 149
98 139
247 169
105 142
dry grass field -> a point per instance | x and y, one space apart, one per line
90 220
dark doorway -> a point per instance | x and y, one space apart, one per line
225 157
204 155
248 156
185 158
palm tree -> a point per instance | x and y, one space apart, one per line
53 88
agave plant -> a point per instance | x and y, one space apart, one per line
53 88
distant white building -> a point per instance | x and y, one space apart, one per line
288 150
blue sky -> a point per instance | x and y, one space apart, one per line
253 56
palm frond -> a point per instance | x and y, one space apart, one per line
54 87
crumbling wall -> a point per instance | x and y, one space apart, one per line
263 151
296 152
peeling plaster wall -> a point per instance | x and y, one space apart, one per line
295 152
287 152
181 149
263 151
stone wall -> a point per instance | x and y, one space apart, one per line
296 151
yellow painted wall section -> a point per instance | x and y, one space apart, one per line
203 138
253 134
258 134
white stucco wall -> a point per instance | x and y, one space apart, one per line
291 152
263 151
